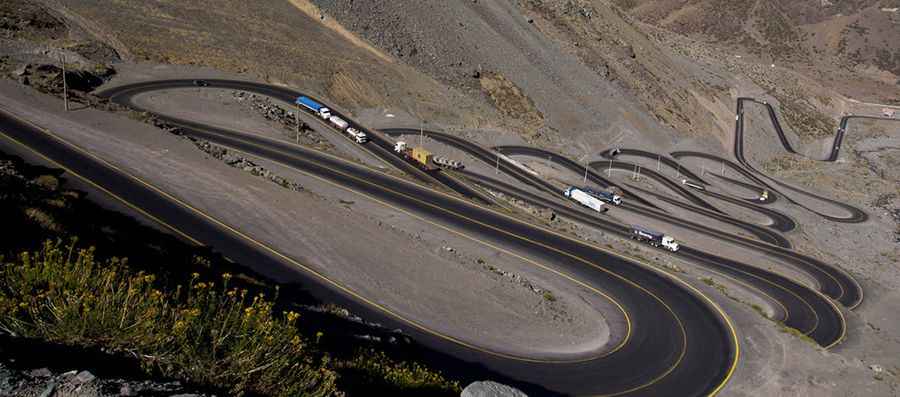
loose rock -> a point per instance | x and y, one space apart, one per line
490 389
83 377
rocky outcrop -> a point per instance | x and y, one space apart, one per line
287 119
490 389
48 78
21 19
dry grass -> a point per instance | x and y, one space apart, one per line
510 100
789 162
48 182
281 42
43 219
352 92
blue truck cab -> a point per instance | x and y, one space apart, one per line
317 108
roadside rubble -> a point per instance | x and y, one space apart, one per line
243 163
514 277
45 382
490 389
228 157
286 118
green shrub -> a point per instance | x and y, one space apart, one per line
201 333
371 372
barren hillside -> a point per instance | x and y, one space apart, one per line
850 46
280 41
569 74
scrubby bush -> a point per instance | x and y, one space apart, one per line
371 367
202 333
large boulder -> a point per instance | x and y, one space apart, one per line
490 389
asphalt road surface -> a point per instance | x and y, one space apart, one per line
678 341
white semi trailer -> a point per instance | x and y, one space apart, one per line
338 122
581 197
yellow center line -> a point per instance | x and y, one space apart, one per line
667 275
577 258
309 269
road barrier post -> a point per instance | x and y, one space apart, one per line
62 61
585 172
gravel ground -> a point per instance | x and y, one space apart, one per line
419 282
16 381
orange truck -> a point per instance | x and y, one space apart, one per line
423 158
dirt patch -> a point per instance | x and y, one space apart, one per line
788 162
507 97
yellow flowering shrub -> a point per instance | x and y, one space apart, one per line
202 333
197 334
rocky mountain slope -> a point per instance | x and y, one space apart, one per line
284 42
570 74
590 72
851 45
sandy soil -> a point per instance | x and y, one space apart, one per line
419 282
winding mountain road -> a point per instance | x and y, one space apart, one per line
678 341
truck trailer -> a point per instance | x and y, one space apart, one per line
425 159
609 197
338 122
581 197
416 155
317 108
447 163
654 238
